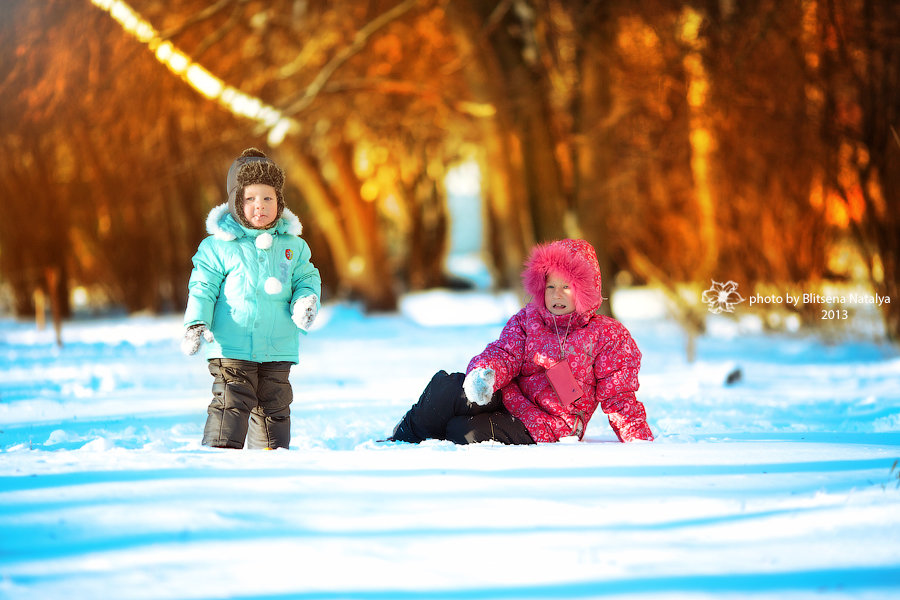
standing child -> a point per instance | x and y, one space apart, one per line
252 291
555 362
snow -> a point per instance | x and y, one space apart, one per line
784 484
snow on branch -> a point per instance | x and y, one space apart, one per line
196 75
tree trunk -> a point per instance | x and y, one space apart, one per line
348 224
509 227
427 245
594 146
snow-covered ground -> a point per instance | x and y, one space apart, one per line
784 484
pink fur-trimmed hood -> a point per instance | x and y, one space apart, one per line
576 261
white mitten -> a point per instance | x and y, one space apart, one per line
479 385
190 343
305 310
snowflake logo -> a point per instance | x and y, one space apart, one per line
722 297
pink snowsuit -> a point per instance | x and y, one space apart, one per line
601 353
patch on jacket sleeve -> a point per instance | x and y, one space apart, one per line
289 254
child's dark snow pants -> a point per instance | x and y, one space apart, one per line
443 412
249 395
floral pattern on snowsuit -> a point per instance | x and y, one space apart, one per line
600 351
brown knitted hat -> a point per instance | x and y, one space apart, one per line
252 166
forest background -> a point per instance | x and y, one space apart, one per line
689 141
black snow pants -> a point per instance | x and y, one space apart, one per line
443 412
249 397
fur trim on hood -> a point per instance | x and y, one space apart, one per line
576 262
221 223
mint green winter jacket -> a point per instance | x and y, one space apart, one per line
245 283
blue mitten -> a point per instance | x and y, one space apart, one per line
479 385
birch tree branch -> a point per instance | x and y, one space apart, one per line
346 53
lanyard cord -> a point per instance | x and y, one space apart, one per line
562 344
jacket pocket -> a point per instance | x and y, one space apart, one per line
284 335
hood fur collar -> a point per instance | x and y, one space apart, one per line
221 224
576 261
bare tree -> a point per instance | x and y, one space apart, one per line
859 44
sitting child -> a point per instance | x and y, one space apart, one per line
554 363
